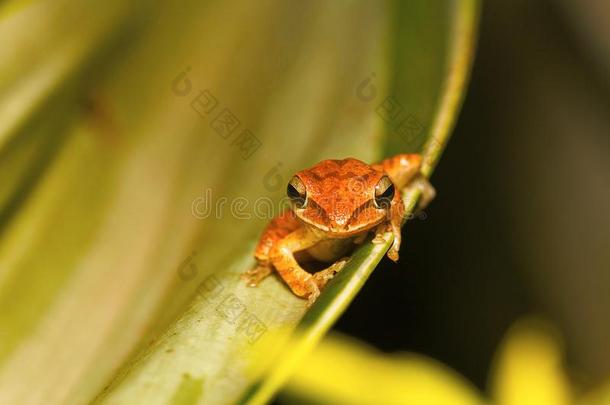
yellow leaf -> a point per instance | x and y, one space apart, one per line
344 371
528 367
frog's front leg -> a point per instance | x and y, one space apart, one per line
397 214
324 276
426 189
300 281
395 218
280 227
404 171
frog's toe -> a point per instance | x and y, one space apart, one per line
379 239
324 276
380 233
314 293
254 276
393 254
428 192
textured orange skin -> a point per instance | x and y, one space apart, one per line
340 211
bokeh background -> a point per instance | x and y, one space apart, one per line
111 288
521 223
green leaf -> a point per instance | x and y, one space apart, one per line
110 276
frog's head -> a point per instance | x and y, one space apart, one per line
341 197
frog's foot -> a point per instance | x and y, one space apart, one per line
393 252
254 276
395 229
380 234
427 191
380 238
301 283
324 276
314 292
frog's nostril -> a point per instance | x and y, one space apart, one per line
340 225
341 221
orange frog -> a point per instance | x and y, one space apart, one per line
334 205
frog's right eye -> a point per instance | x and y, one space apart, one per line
384 193
296 192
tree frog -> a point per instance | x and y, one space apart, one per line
334 205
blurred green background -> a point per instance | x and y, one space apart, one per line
109 281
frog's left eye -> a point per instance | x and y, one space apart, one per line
384 193
296 192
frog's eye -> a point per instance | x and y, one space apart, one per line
296 192
384 193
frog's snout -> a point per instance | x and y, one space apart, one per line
339 225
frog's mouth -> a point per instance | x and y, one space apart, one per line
339 231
